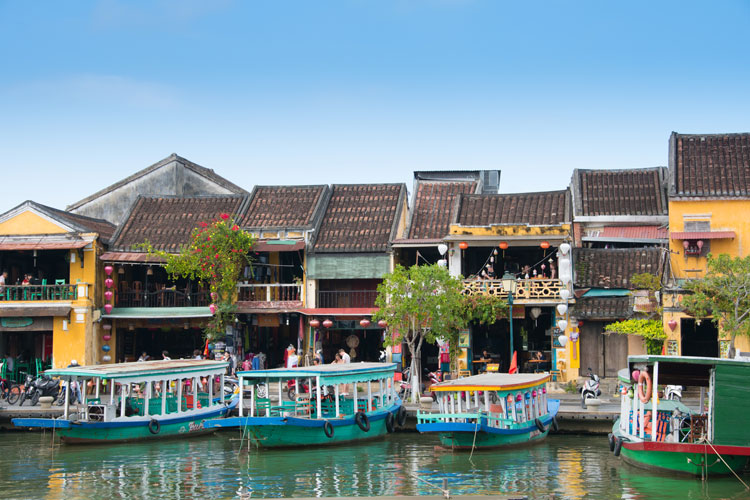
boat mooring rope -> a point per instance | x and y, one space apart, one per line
444 491
474 442
727 465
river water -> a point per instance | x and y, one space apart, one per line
561 467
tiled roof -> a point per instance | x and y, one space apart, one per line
609 308
283 206
634 232
614 268
167 221
360 218
710 165
536 209
433 204
100 226
638 191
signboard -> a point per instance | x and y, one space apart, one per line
268 320
464 339
519 312
16 322
672 348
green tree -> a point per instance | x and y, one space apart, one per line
215 256
424 303
652 331
723 295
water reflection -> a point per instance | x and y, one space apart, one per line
404 464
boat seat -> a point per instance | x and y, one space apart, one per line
303 406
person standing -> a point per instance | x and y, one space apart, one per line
3 279
345 356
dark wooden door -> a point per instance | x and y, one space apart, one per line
615 354
591 347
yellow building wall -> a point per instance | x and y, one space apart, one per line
503 230
27 223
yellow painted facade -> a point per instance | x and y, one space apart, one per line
521 230
28 223
723 215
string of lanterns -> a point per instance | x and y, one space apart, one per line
107 327
488 265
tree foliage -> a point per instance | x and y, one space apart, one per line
652 331
723 294
215 256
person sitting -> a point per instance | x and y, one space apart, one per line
144 356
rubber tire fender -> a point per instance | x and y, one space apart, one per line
362 421
390 422
618 446
328 429
555 427
611 438
401 416
154 426
539 425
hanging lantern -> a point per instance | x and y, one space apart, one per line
494 252
108 270
535 312
543 266
562 309
106 348
106 326
214 295
109 282
580 323
107 308
327 323
672 324
382 323
563 340
565 294
544 244
533 393
492 259
149 271
364 323
565 248
106 358
503 245
562 324
636 374
442 248
700 244
106 338
686 244
463 245
315 323
107 295
519 397
212 308
120 270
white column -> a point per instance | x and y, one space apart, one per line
336 390
655 402
459 398
221 389
112 391
211 390
179 395
123 396
67 400
242 395
98 383
369 396
476 399
279 392
487 401
317 397
356 403
164 396
195 393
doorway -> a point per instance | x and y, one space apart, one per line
699 339
604 354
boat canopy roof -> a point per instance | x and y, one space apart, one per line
143 369
329 374
686 370
493 382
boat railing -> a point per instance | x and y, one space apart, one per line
490 419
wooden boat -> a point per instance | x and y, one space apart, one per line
139 401
667 435
490 410
338 403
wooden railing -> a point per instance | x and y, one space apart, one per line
347 298
166 297
39 292
274 292
526 290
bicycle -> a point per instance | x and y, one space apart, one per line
9 391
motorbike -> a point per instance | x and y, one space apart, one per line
590 389
405 383
673 392
434 378
327 392
36 388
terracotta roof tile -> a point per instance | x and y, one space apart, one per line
536 209
639 191
614 268
167 221
611 308
711 165
433 204
635 232
283 206
104 228
360 218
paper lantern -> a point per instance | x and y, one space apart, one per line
563 340
463 245
686 244
535 312
106 358
636 374
700 244
533 393
212 308
562 308
108 270
672 324
442 248
106 348
503 245
364 323
106 326
562 324
327 323
544 390
106 338
107 308
214 295
109 282
565 294
315 323
564 248
382 323
519 397
107 295
442 263
544 244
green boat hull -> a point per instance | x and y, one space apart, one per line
280 436
91 434
467 440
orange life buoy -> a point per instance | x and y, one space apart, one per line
647 396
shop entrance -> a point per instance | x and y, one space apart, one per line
699 339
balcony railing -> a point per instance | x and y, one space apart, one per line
347 298
39 292
526 290
167 297
275 292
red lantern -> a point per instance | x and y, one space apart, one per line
364 323
685 244
109 282
327 323
107 295
212 308
315 323
107 308
108 270
463 245
503 245
544 244
382 323
106 338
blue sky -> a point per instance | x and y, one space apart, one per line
303 92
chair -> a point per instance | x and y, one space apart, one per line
263 405
303 406
38 369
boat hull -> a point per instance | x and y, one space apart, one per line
683 458
287 432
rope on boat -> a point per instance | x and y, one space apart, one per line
474 442
444 491
727 465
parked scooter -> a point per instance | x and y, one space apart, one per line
673 392
42 386
590 389
433 378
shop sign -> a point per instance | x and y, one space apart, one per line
268 320
16 322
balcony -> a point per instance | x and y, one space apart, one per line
527 291
270 297
39 293
164 297
346 298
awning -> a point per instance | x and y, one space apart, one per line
157 313
339 311
703 235
130 257
40 243
607 292
35 310
628 233
278 246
